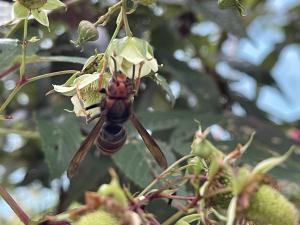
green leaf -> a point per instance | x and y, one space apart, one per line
93 169
136 162
53 4
19 11
161 81
60 139
41 16
268 164
10 52
9 49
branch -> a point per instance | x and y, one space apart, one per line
14 206
24 82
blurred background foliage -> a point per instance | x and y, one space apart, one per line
235 74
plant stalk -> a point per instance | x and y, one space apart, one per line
14 206
24 46
125 20
22 84
164 173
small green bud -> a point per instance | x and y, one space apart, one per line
204 149
195 166
98 217
268 206
32 4
87 32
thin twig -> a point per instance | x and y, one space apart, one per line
164 173
22 84
9 70
14 206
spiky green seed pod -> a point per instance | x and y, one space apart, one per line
98 217
269 207
32 4
221 181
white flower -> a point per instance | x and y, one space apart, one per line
84 91
129 53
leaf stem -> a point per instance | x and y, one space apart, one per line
14 206
22 84
104 19
117 30
125 20
24 46
164 173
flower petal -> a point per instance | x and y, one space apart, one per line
53 4
41 16
152 64
67 91
78 109
87 79
20 11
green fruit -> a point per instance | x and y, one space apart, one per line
87 32
270 207
98 217
221 181
32 4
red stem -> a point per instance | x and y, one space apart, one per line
14 206
9 70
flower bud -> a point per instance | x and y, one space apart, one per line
32 4
87 32
204 148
